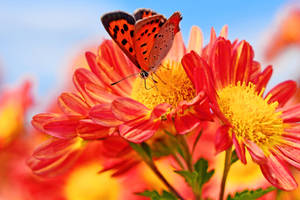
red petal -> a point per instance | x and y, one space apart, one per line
278 174
262 79
159 110
282 92
72 104
55 164
103 115
255 151
220 61
88 130
62 127
81 78
291 114
240 149
99 93
242 62
222 141
139 130
290 154
39 120
126 109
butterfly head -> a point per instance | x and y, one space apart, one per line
144 74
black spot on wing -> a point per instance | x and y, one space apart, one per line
124 41
125 27
130 49
107 18
131 33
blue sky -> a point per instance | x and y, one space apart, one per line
38 39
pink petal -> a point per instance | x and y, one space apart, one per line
255 151
291 114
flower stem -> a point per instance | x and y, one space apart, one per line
163 179
188 157
227 165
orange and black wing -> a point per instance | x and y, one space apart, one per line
145 34
142 13
120 26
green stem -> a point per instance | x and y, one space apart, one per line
178 160
188 157
163 179
227 165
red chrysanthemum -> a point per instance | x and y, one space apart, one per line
120 113
252 120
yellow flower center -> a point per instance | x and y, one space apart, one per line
250 115
172 86
86 183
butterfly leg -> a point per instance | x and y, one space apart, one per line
159 78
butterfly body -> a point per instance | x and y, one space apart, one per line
146 37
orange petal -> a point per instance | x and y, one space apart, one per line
224 32
177 50
196 40
72 104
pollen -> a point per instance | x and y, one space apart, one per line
169 84
251 116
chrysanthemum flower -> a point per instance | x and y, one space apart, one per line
260 123
127 109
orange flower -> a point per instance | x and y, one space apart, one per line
260 123
287 33
127 109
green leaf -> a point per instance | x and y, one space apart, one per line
198 177
250 195
201 167
154 195
234 157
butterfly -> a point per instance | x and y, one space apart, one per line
145 37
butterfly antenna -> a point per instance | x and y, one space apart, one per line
154 81
125 78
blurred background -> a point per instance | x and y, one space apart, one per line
40 39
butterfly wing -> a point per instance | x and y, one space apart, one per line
142 13
120 26
145 33
164 40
